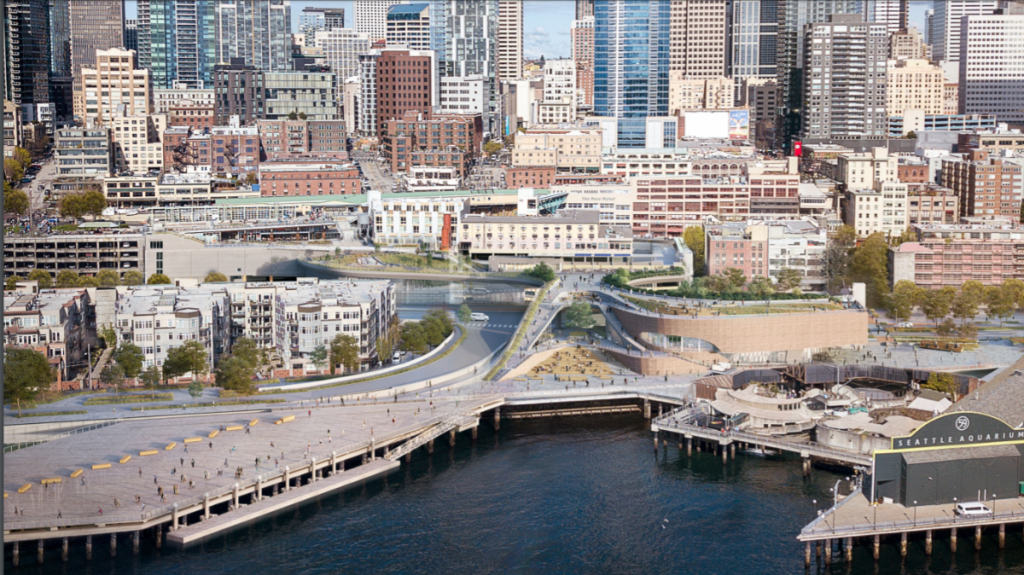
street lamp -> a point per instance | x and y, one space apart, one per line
915 513
954 510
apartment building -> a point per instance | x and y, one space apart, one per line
82 156
187 150
404 82
308 179
283 139
686 93
238 92
571 149
992 141
986 186
137 142
914 85
575 237
931 204
951 254
408 25
308 94
530 176
115 82
12 127
764 248
991 77
85 254
881 209
698 38
179 95
909 45
862 171
429 222
234 149
582 41
462 95
614 202
188 113
425 179
424 139
55 323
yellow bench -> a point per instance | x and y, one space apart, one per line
5 495
170 446
148 452
213 433
101 466
126 459
253 422
234 427
24 488
50 480
76 473
193 439
285 419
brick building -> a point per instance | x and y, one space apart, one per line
986 186
235 150
239 92
196 116
949 255
185 149
764 248
404 82
423 139
932 204
530 176
284 139
912 173
308 179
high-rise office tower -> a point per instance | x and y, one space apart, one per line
259 31
991 70
60 38
892 13
584 9
95 25
334 18
944 28
310 20
464 38
405 82
582 42
698 38
794 15
27 51
510 39
631 64
177 41
131 34
341 48
372 17
409 26
844 84
753 35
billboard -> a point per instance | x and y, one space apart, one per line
739 124
706 125
798 148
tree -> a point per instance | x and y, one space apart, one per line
760 287
71 206
414 340
215 277
942 382
37 146
911 135
187 358
302 116
904 297
578 315
234 374
465 314
492 147
965 305
133 278
974 288
247 350
108 335
788 279
158 279
945 328
130 358
293 115
936 303
907 235
12 283
13 170
437 325
22 156
1000 302
251 179
345 352
26 373
15 202
41 276
384 349
87 282
108 278
693 236
870 265
195 389
112 376
318 357
67 279
93 203
151 377
734 278
838 255
541 271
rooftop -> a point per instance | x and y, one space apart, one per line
304 167
563 217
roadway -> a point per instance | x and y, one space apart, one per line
374 171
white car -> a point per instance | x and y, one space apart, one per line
974 509
904 324
478 317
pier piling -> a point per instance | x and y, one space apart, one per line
977 538
903 544
497 419
113 544
206 506
159 536
135 543
14 553
817 549
655 441
848 549
39 551
64 550
928 542
647 409
288 480
689 446
828 552
408 457
88 547
473 433
807 466
952 540
732 450
725 454
1002 535
875 545
234 500
451 438
430 447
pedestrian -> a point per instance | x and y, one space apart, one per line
310 413
183 462
59 514
211 445
143 507
100 509
193 463
140 472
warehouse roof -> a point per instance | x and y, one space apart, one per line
936 455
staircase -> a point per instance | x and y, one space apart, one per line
452 422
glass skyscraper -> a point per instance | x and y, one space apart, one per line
631 64
27 51
260 31
177 41
464 37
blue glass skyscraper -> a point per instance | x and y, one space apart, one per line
631 63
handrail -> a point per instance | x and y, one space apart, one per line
22 444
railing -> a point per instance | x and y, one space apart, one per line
858 529
15 446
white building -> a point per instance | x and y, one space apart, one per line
372 18
510 39
137 141
614 202
341 48
462 95
431 179
367 115
424 221
944 25
113 83
181 94
882 209
560 83
992 67
408 25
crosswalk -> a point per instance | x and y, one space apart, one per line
492 325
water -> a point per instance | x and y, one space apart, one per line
567 495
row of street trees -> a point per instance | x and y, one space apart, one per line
1000 302
105 278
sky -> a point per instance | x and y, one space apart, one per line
545 22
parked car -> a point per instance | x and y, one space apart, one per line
904 324
972 509
478 317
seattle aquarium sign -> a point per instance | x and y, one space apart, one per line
958 429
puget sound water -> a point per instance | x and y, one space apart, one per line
582 495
